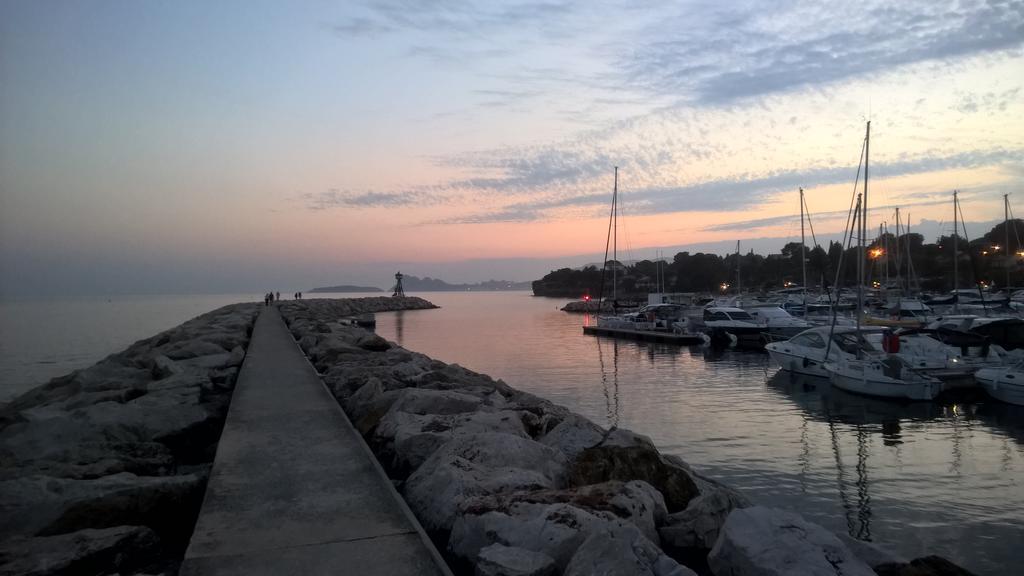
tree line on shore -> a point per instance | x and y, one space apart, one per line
989 260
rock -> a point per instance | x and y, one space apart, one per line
417 401
635 502
407 440
122 549
627 456
872 554
699 524
573 435
761 541
94 460
555 530
622 551
368 405
192 348
476 465
373 343
926 566
162 367
237 356
500 560
45 506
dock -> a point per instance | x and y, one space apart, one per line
294 489
645 335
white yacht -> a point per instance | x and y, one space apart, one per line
728 324
776 322
805 352
1003 383
888 376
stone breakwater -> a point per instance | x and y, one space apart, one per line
102 471
509 483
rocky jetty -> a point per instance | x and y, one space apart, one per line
583 306
102 471
509 483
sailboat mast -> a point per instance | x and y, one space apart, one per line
884 238
1006 229
615 237
803 250
739 284
863 223
956 263
899 279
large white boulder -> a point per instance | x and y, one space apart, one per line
501 560
555 530
621 550
407 440
760 541
573 435
698 525
478 465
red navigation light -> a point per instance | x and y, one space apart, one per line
586 298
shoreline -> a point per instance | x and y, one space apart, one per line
482 465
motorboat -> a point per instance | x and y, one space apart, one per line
776 323
1004 383
725 324
650 317
1006 332
806 352
886 376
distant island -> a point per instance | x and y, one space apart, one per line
347 288
428 284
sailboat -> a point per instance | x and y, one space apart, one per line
888 374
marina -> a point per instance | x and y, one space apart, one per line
922 475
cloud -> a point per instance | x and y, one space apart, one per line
460 17
717 53
370 199
740 192
698 52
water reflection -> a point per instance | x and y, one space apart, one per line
400 327
825 403
611 390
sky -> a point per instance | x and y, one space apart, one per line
249 146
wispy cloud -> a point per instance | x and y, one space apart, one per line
740 192
369 199
715 53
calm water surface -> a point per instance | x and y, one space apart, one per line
41 339
920 478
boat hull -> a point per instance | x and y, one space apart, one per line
868 379
996 385
796 363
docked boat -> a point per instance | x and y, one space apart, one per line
888 376
1003 383
728 325
806 352
776 323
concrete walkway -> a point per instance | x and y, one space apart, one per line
294 489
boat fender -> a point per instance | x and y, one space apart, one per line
806 361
